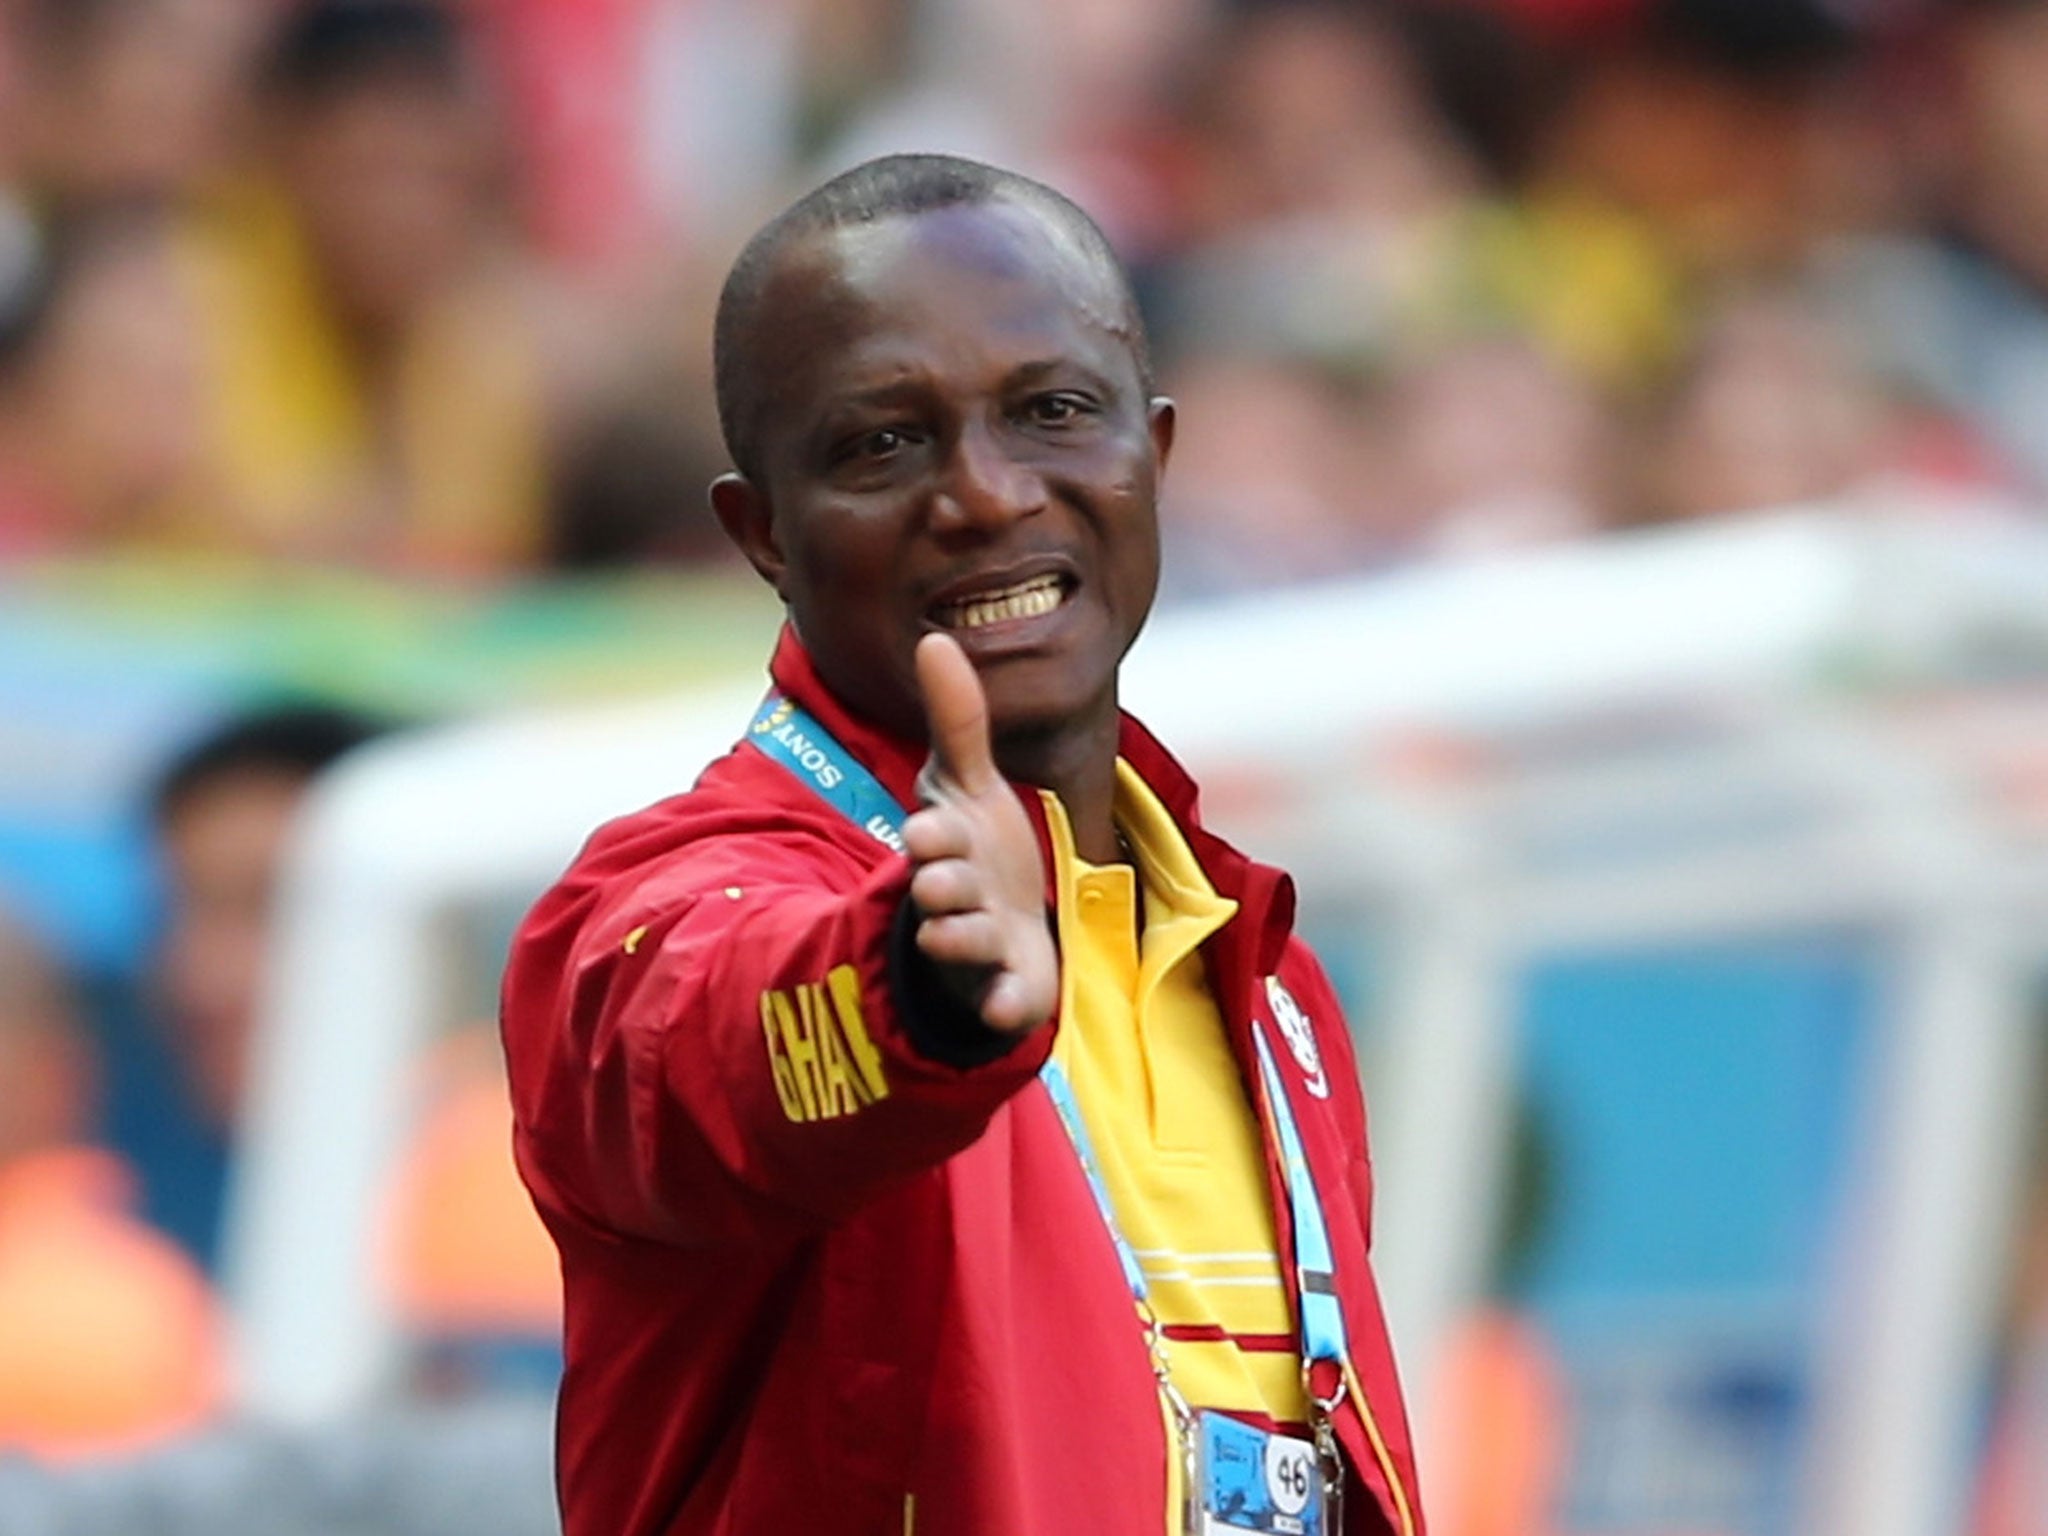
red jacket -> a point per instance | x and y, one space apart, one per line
818 1282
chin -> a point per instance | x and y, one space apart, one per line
1034 715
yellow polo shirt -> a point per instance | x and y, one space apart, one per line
1173 1129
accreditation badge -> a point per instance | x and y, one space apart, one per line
1248 1479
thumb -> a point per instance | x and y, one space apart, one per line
956 715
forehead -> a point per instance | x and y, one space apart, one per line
953 288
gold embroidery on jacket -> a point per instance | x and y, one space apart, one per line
820 1055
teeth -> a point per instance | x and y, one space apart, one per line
1026 600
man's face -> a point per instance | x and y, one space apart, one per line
392 182
222 848
955 435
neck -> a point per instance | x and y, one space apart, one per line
1078 765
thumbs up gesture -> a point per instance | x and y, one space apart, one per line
978 884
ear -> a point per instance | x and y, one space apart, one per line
743 513
1161 416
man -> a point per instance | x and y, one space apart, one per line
110 1337
222 812
996 1168
371 348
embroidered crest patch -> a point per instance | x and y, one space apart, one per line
1300 1036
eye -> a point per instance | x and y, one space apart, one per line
875 446
1059 408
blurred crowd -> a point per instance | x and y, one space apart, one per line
119 1117
422 289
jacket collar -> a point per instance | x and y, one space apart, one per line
1264 895
894 760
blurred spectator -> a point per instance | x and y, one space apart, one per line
108 1334
378 390
1709 119
1079 97
1772 411
223 813
115 100
468 1264
1320 166
1559 263
848 55
1319 172
472 1271
1392 212
630 483
574 73
1501 447
1504 1408
644 125
99 437
1315 112
1583 283
1954 310
1287 471
1277 477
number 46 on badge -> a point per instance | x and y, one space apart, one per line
1249 1480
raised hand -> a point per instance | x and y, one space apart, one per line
978 883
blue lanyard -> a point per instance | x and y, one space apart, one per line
790 735
1322 1319
786 732
1315 1267
1061 1091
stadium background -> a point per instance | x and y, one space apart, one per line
1606 560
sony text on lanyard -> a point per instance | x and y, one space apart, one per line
1240 1478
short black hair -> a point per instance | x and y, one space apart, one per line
290 738
326 48
893 186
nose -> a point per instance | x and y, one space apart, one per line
984 487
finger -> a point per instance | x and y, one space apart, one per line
956 714
937 833
1008 1005
952 885
962 938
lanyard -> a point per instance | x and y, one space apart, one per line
1322 1320
1315 1267
791 736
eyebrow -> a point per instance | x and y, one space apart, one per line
1031 372
1041 369
911 386
894 392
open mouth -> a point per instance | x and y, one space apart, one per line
1024 600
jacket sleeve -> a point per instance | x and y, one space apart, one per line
712 1045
